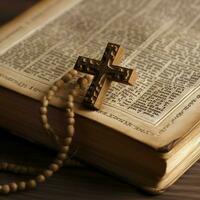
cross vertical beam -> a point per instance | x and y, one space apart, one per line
104 71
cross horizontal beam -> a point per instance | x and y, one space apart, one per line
104 71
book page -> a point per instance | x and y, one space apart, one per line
161 39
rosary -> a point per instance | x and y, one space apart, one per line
104 72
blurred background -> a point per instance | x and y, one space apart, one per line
11 8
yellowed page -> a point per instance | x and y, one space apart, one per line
161 39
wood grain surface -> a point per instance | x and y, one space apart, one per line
80 183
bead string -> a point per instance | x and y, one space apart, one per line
64 143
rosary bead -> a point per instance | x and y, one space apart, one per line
70 98
43 99
22 185
13 187
73 72
41 178
50 94
54 88
73 92
70 130
89 77
67 77
67 141
5 189
82 82
43 110
59 162
31 184
47 126
70 114
44 118
59 83
69 105
54 167
45 102
48 173
62 156
70 121
64 149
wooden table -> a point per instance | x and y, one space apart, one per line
78 183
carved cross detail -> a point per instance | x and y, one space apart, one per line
104 71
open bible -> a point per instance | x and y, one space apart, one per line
148 134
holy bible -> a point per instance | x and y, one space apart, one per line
147 134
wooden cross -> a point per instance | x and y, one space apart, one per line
104 71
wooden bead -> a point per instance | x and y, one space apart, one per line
13 187
44 118
59 83
41 178
31 184
89 78
64 149
54 88
73 92
69 104
67 141
5 189
70 114
22 185
73 72
82 82
70 98
47 126
67 77
70 121
43 110
45 102
50 94
69 110
70 130
59 162
62 156
48 173
54 167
